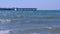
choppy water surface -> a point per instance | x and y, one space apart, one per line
30 22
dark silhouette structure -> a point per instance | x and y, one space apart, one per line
19 9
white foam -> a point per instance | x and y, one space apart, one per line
5 32
34 33
49 27
5 20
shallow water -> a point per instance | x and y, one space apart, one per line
30 22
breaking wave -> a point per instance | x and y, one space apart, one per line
5 20
5 32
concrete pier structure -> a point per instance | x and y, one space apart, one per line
26 9
19 9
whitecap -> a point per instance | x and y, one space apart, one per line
5 20
5 32
34 33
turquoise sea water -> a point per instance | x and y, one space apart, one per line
30 22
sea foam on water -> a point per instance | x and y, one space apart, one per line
34 33
5 20
5 32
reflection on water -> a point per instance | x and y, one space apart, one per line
29 22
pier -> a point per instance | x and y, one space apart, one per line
19 9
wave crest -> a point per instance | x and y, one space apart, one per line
5 32
5 20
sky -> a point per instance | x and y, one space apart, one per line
40 4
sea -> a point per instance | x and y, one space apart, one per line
30 22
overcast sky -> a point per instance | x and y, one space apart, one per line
40 4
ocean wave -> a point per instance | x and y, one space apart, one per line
34 33
5 32
5 20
